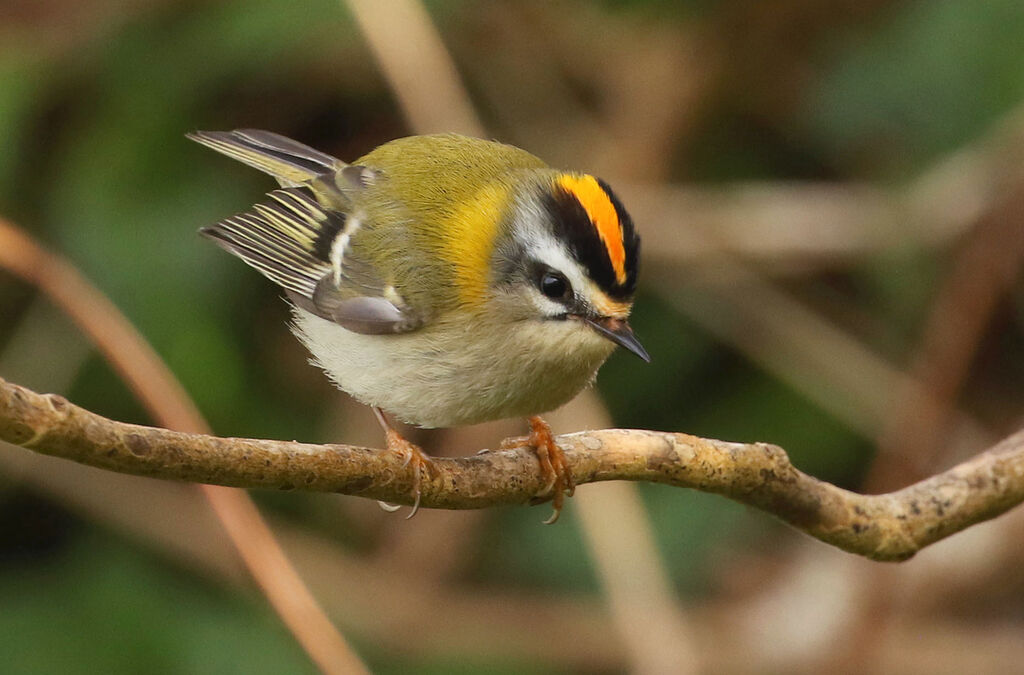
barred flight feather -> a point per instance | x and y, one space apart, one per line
281 238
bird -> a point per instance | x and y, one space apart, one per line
442 279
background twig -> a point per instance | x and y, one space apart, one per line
167 401
420 71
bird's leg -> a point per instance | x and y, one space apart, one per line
553 465
414 456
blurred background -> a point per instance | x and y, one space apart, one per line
831 197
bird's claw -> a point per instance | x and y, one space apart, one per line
553 465
414 457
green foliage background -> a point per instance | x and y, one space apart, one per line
94 103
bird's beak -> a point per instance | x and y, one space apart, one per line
619 332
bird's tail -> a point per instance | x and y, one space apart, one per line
290 162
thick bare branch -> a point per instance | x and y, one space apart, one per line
891 526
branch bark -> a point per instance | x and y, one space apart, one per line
888 527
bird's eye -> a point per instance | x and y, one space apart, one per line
554 285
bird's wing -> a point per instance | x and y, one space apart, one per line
304 248
301 237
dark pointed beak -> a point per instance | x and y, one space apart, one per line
619 332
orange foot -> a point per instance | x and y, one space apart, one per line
414 457
553 465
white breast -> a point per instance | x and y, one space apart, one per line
442 376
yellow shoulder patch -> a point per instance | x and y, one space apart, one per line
599 208
470 241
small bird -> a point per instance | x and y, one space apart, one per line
444 279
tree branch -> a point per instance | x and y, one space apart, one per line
888 527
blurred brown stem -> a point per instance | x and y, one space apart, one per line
416 64
423 76
163 396
982 273
888 527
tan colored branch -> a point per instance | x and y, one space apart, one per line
892 526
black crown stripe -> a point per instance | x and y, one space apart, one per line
573 223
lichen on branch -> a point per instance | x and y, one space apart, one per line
890 526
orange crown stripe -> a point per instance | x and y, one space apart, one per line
599 208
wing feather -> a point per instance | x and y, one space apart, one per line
301 237
279 243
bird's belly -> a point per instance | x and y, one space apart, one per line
459 375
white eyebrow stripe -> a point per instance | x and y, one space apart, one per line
541 244
543 247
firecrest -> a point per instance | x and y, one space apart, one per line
444 279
